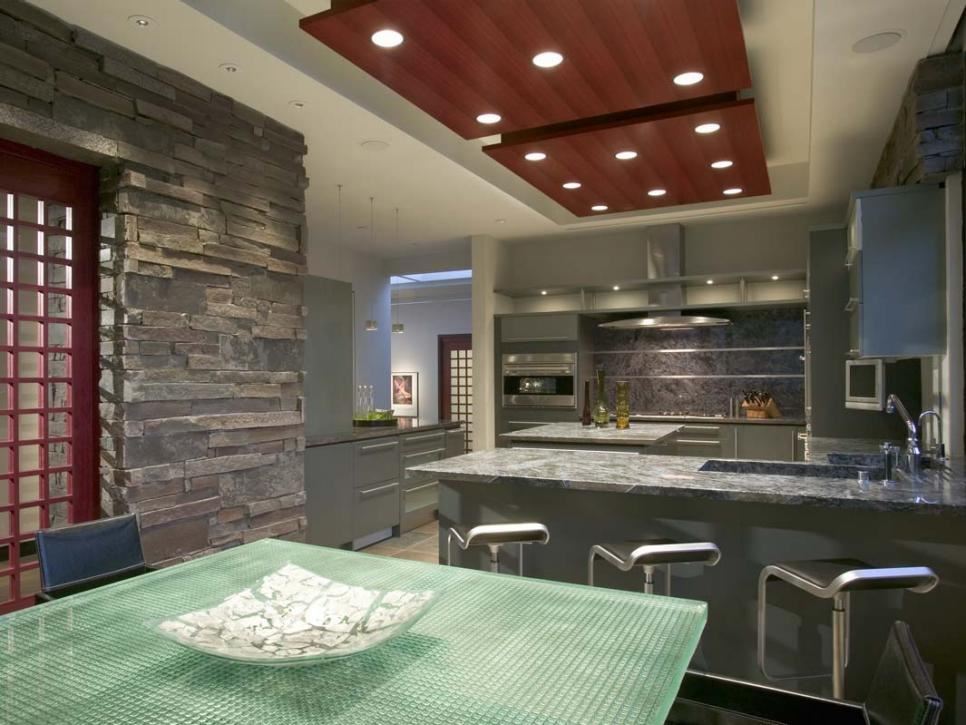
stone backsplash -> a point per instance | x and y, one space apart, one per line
697 370
201 328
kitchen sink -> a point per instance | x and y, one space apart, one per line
785 468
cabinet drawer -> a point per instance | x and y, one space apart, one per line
376 461
701 431
375 508
532 328
415 459
414 442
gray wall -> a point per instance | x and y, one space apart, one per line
417 349
201 282
328 356
829 293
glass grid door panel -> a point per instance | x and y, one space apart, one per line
456 383
36 383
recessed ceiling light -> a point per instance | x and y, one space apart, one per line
387 38
688 79
732 191
877 41
625 155
535 156
774 278
543 292
500 221
572 185
374 144
297 104
229 67
710 281
489 118
723 164
617 288
548 59
707 128
599 207
140 21
657 192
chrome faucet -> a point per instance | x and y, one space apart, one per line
938 449
913 454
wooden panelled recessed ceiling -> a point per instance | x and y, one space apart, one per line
463 58
671 157
616 85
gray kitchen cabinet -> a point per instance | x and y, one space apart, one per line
539 328
329 494
376 461
455 442
375 507
763 442
896 262
419 495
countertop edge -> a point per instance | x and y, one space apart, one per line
364 434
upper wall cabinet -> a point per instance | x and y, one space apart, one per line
896 263
539 328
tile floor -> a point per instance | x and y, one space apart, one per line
420 544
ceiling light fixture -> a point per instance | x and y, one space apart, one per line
374 144
657 192
548 59
710 281
543 292
387 38
707 128
617 288
688 78
140 21
732 191
599 207
489 118
535 156
625 155
501 221
297 104
723 164
774 278
572 185
229 67
877 41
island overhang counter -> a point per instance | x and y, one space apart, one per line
587 497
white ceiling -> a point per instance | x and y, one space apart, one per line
825 113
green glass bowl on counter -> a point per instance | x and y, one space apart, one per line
375 418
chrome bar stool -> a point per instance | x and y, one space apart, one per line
836 579
651 554
495 535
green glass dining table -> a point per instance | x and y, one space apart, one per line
493 649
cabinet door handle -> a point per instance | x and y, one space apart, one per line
369 492
689 442
425 453
851 304
420 488
425 437
701 427
378 447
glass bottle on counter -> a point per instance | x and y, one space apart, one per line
586 418
601 412
623 406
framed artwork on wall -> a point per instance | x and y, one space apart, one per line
405 394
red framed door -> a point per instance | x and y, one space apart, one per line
456 382
48 368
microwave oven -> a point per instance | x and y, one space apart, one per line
865 384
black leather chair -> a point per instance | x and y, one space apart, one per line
901 694
84 556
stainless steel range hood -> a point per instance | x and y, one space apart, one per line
666 322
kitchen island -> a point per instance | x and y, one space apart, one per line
757 513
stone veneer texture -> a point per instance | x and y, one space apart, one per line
926 142
202 202
697 370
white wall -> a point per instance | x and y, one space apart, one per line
417 349
370 288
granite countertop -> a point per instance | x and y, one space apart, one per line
642 434
363 433
711 419
651 475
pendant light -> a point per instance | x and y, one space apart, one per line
398 327
371 324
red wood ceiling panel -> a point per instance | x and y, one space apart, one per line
461 58
671 156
